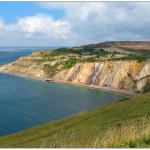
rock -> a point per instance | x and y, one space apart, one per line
114 74
126 75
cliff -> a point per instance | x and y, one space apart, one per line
129 75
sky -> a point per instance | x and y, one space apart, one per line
72 23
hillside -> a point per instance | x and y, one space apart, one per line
125 73
121 124
142 47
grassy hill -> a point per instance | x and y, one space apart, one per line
122 124
48 63
52 62
142 47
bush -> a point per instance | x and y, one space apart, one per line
101 52
91 59
93 51
146 140
60 51
50 70
70 63
133 57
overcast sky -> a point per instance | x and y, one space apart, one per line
72 23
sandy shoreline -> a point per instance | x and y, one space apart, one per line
107 89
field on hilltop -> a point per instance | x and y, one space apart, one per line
142 47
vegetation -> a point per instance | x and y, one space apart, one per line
61 51
122 124
87 54
65 58
98 53
138 57
81 51
90 59
50 70
94 51
70 63
141 47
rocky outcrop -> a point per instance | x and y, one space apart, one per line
120 75
26 67
143 79
128 75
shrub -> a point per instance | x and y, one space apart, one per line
50 70
91 59
133 57
70 63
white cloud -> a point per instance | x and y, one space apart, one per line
1 23
40 28
46 25
84 22
100 21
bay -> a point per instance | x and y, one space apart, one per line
25 103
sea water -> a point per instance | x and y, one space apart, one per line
25 103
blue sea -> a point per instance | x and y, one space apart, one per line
25 103
9 54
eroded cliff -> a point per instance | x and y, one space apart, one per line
128 75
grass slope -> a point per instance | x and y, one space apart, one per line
121 124
142 47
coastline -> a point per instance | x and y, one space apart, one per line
107 89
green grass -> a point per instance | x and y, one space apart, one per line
138 57
94 55
122 124
70 63
50 70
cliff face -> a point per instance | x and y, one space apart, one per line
128 75
25 66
